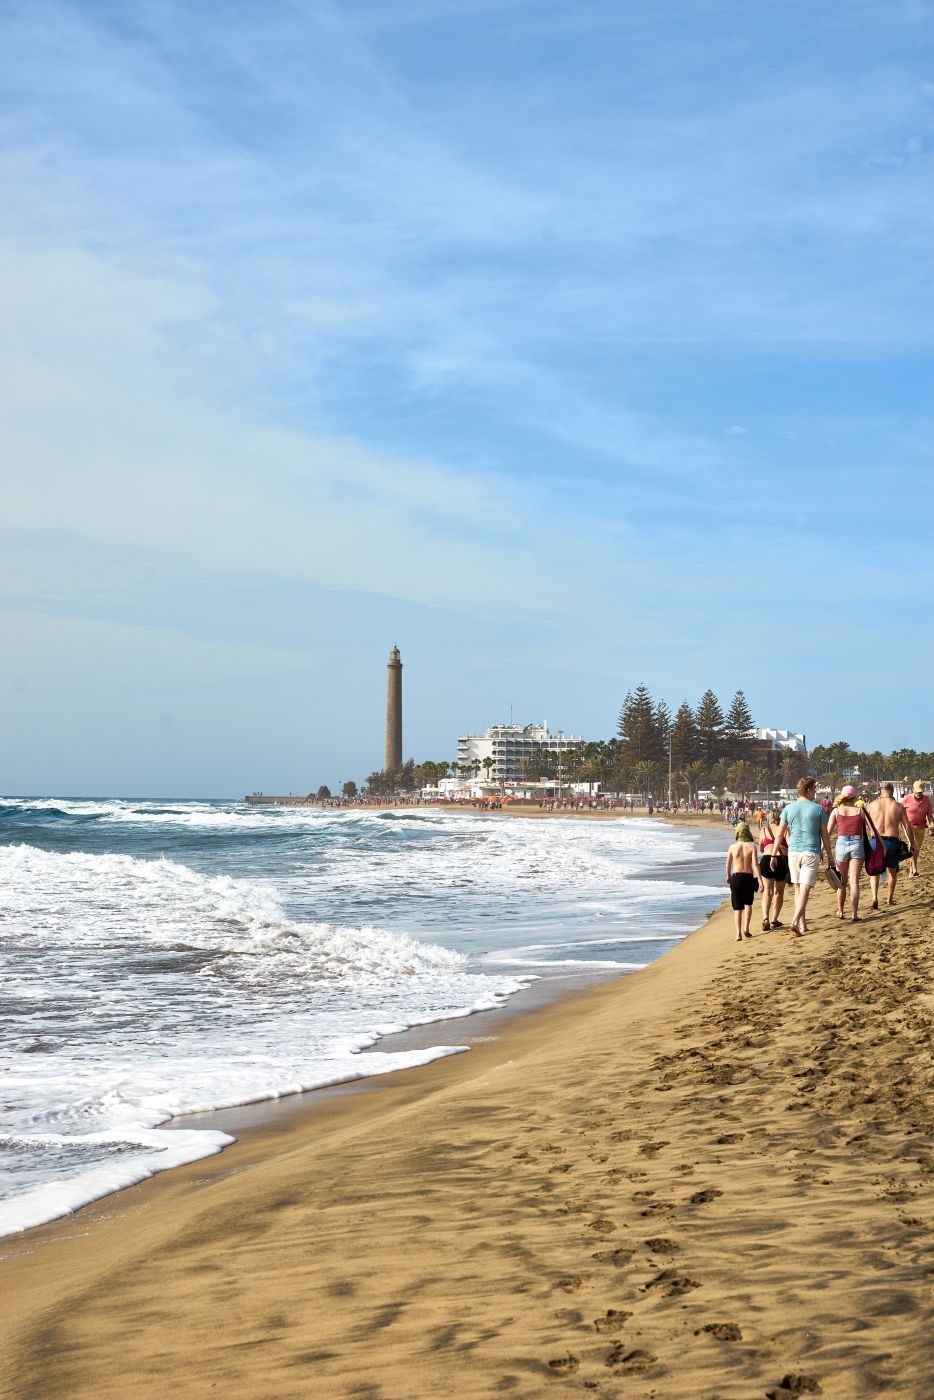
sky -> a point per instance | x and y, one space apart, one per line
566 347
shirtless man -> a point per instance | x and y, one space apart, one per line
742 876
891 818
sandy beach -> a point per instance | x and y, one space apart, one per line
702 1180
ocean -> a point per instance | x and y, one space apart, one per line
161 958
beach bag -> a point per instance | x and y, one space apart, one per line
832 876
875 859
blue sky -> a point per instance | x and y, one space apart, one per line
567 347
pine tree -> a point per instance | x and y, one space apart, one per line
638 728
405 778
662 726
683 737
710 727
737 743
625 710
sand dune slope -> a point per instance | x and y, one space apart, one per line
700 1182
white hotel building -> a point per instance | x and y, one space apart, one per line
786 739
508 744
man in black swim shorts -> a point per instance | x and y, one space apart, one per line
742 876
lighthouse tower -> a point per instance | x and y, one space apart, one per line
394 712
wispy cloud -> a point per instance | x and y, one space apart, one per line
450 303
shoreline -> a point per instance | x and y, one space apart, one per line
448 1035
511 809
451 1217
544 990
460 1032
702 1205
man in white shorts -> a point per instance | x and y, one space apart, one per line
804 823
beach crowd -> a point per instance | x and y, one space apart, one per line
850 835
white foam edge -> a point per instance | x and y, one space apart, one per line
174 1148
55 1200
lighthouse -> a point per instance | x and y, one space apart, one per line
394 712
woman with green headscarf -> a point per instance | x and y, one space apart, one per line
742 876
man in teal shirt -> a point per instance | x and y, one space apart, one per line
804 823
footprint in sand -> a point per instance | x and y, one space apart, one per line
723 1331
564 1365
619 1257
660 1245
794 1385
612 1321
672 1282
658 1208
649 1149
700 1198
571 1282
633 1361
602 1226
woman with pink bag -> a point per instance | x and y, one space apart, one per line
852 826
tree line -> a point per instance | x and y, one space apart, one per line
836 764
709 747
706 746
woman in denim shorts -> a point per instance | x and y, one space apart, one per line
851 824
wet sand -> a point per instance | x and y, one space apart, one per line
701 1180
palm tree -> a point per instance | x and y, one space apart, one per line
591 770
831 779
792 768
572 764
643 776
739 777
488 764
694 774
719 776
529 767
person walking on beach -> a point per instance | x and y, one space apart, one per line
742 876
891 818
851 824
804 824
921 817
773 872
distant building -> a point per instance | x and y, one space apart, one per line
507 745
785 739
769 746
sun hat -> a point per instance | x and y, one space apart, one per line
848 791
917 786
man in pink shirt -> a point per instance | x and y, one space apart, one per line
918 810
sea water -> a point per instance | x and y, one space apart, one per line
164 958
